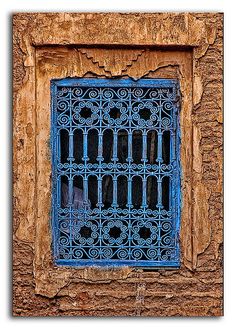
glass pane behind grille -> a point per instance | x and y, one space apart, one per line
116 172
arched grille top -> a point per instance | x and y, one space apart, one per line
115 172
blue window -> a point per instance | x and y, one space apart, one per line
115 172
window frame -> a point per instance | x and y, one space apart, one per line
113 83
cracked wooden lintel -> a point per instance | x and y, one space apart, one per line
113 62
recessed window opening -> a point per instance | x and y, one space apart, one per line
116 170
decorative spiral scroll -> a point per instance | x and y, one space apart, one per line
137 254
122 254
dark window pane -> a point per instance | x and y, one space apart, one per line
144 114
122 146
107 145
114 113
137 148
64 192
152 192
165 192
93 145
93 191
85 112
166 147
137 189
107 191
64 145
78 145
152 146
122 191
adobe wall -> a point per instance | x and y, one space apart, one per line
40 289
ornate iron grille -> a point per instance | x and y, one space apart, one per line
116 172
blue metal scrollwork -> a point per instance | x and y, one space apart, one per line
87 232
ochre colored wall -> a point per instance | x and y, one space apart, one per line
185 46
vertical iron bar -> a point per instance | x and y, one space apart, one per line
99 178
59 201
130 110
99 192
144 154
70 182
114 203
70 192
115 157
129 159
129 199
172 159
58 146
85 145
159 192
172 146
85 187
100 146
159 146
71 145
144 196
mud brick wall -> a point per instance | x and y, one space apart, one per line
187 46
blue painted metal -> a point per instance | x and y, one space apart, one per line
161 249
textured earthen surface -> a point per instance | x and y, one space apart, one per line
47 46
